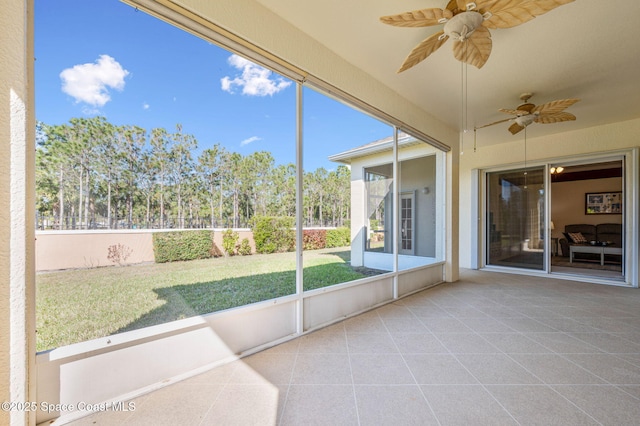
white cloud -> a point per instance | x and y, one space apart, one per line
90 83
254 80
145 106
249 140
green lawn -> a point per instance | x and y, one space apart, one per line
77 305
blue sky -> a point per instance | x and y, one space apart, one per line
105 58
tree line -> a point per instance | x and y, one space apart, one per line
92 174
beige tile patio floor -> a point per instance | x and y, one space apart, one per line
491 349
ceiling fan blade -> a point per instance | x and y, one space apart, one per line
555 118
511 13
517 112
476 49
462 5
423 50
483 6
515 128
452 5
491 124
417 18
555 106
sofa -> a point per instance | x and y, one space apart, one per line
604 232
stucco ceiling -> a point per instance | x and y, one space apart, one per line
588 49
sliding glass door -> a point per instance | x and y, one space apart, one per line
570 218
515 218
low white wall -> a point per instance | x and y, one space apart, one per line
122 366
384 261
418 279
133 363
327 305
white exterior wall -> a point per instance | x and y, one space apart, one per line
17 205
358 215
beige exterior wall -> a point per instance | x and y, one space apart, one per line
89 249
242 234
17 276
83 249
601 140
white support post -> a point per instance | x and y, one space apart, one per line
299 205
396 218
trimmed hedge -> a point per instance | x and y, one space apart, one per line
339 237
182 245
244 249
273 234
229 241
270 234
314 239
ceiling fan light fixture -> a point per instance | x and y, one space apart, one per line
461 26
525 120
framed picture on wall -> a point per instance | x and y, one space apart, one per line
603 203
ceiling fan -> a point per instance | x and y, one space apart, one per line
468 23
527 113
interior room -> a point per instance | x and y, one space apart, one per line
509 322
573 187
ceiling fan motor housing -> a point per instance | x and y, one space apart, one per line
525 120
461 26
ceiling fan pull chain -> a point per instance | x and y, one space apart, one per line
466 92
475 143
525 158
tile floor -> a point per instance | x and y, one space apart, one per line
491 349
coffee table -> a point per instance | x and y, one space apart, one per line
602 250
